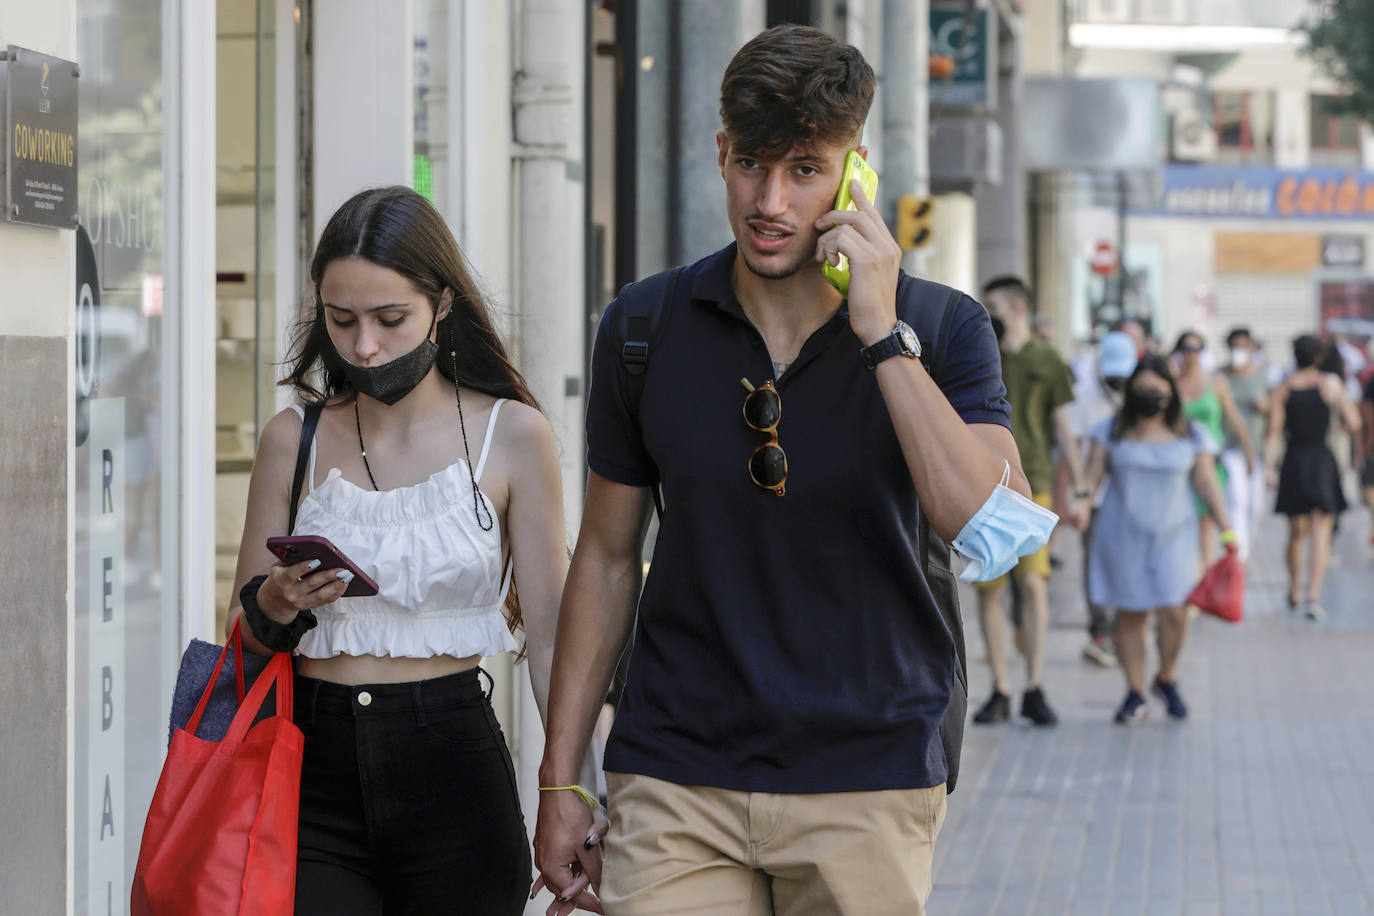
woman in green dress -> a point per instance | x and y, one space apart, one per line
1207 400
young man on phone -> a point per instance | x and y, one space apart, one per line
777 745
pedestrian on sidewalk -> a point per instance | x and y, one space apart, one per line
777 747
1143 558
1309 483
1367 443
408 801
1097 397
1244 480
1207 400
1040 388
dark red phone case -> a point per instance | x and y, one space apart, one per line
298 548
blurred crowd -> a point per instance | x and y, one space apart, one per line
1163 461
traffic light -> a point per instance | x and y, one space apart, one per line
913 221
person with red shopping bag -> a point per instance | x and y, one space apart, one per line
431 475
1143 558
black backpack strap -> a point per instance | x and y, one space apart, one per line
642 306
942 340
308 424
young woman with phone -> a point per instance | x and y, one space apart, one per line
432 469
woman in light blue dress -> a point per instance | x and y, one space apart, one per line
1143 556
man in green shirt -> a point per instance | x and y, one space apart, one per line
1039 386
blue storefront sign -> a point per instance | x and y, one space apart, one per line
1223 192
971 84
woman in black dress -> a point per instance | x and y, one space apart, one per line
1309 483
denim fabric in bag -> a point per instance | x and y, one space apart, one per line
1006 527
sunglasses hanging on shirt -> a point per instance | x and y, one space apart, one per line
763 412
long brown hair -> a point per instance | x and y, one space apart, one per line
400 230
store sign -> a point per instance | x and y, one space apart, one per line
1259 192
973 84
105 659
40 180
1266 252
1343 251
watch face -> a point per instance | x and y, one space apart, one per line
907 336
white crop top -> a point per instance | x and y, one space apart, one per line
441 590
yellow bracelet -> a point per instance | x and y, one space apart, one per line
582 793
1228 537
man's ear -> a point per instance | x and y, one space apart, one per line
862 151
722 150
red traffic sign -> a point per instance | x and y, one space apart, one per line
1104 259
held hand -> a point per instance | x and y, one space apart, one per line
567 852
300 587
1080 510
874 258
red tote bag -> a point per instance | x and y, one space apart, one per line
1222 589
220 837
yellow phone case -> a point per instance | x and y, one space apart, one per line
854 167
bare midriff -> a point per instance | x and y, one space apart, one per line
372 669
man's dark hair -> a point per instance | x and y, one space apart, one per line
794 86
1307 350
1011 285
1238 332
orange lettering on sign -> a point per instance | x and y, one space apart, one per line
1367 200
1328 196
1310 196
1348 196
1285 198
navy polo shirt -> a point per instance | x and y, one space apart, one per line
784 644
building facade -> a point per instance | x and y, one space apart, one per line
1256 210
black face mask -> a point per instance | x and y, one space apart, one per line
1146 405
1116 383
392 381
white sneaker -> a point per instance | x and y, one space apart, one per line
1098 652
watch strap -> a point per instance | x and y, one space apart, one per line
888 347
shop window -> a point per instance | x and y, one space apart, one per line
1244 123
1334 135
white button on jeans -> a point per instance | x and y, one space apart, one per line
364 698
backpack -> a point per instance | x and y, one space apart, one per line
642 306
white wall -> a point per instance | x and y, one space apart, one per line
37 693
364 100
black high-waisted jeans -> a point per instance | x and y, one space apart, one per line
408 801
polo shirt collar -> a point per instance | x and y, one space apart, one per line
712 284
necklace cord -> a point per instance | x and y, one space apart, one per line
479 505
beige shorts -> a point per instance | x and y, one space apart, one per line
678 850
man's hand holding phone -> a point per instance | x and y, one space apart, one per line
300 587
874 259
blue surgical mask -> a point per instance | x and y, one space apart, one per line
1008 526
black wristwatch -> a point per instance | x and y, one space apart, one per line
901 342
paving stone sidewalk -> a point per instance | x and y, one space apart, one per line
1261 803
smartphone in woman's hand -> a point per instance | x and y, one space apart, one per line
298 548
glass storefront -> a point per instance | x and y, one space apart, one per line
126 455
245 344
